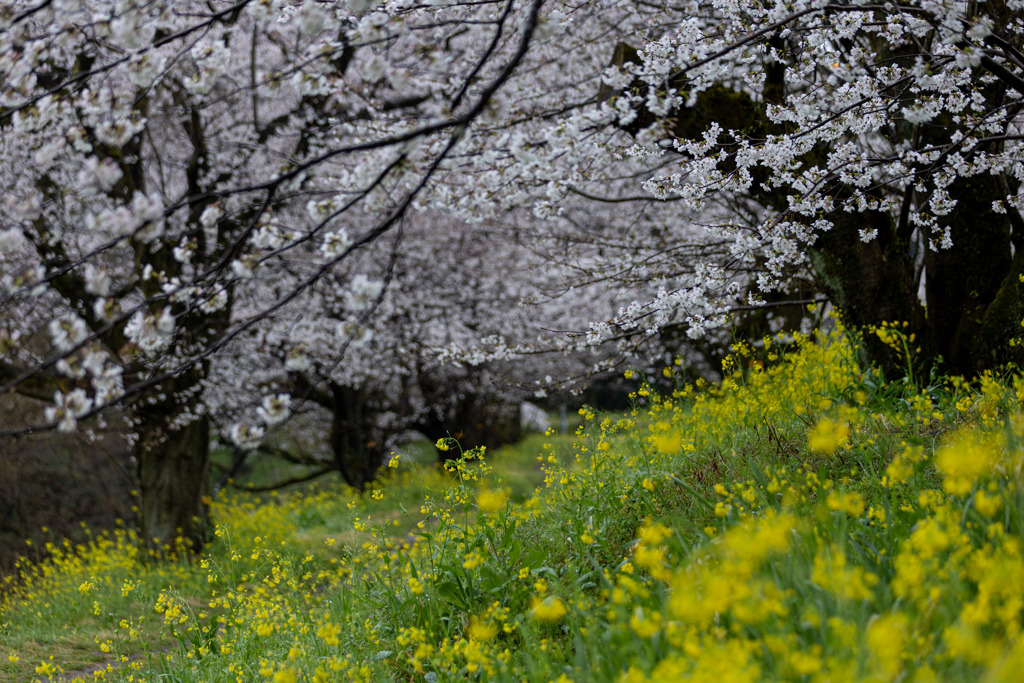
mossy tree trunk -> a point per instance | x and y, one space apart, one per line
173 460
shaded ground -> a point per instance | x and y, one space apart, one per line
52 483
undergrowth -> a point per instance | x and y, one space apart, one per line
800 520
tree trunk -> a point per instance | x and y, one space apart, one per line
963 282
1000 322
870 282
174 474
358 454
487 423
474 422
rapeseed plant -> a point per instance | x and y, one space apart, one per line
797 521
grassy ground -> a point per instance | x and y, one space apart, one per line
89 612
801 521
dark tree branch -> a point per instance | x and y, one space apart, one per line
287 482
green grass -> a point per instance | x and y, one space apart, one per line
803 520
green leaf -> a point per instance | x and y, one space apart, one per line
491 580
536 557
450 591
515 551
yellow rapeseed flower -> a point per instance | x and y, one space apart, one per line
482 630
648 558
490 502
653 533
827 436
667 443
988 504
965 459
548 610
472 560
887 639
850 503
329 633
46 669
286 676
832 573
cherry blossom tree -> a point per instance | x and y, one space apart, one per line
196 190
766 151
159 156
879 141
449 340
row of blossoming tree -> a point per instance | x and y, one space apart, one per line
218 212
